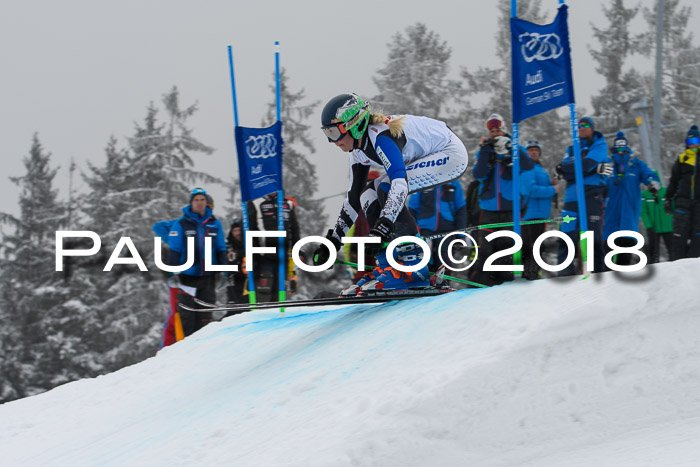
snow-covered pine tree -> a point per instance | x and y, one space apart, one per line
681 77
299 175
300 178
493 87
38 355
145 183
623 85
415 78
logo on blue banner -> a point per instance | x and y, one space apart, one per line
259 160
541 59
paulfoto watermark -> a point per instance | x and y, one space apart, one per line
454 239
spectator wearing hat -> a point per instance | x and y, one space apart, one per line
623 204
596 167
440 209
683 199
657 222
539 190
494 169
235 245
199 222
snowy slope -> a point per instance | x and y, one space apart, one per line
596 372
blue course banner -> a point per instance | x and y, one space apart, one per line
259 160
541 59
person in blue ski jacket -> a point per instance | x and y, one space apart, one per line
596 167
494 169
539 190
199 222
623 206
440 209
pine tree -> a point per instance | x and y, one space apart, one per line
38 351
415 77
623 88
299 175
681 77
493 86
146 182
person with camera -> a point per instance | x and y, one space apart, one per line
683 199
494 169
596 168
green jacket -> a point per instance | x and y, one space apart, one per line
653 214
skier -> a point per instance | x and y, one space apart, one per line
416 153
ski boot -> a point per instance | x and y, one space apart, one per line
382 265
408 254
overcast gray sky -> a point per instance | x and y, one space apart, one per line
78 71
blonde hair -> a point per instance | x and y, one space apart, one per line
395 124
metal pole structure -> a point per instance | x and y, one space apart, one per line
656 131
641 117
244 207
517 257
282 267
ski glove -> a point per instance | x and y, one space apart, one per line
502 145
668 207
383 229
605 169
654 187
559 170
322 253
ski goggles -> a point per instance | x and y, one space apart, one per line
198 191
620 149
693 140
334 133
584 125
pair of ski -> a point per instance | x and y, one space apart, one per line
374 297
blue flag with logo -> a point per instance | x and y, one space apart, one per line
541 59
259 160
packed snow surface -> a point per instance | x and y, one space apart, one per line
567 372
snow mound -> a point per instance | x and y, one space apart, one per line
565 372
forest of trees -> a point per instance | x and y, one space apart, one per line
62 326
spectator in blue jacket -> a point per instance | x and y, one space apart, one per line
494 169
539 190
596 167
198 222
440 209
623 205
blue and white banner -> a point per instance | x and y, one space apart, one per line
541 60
259 160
